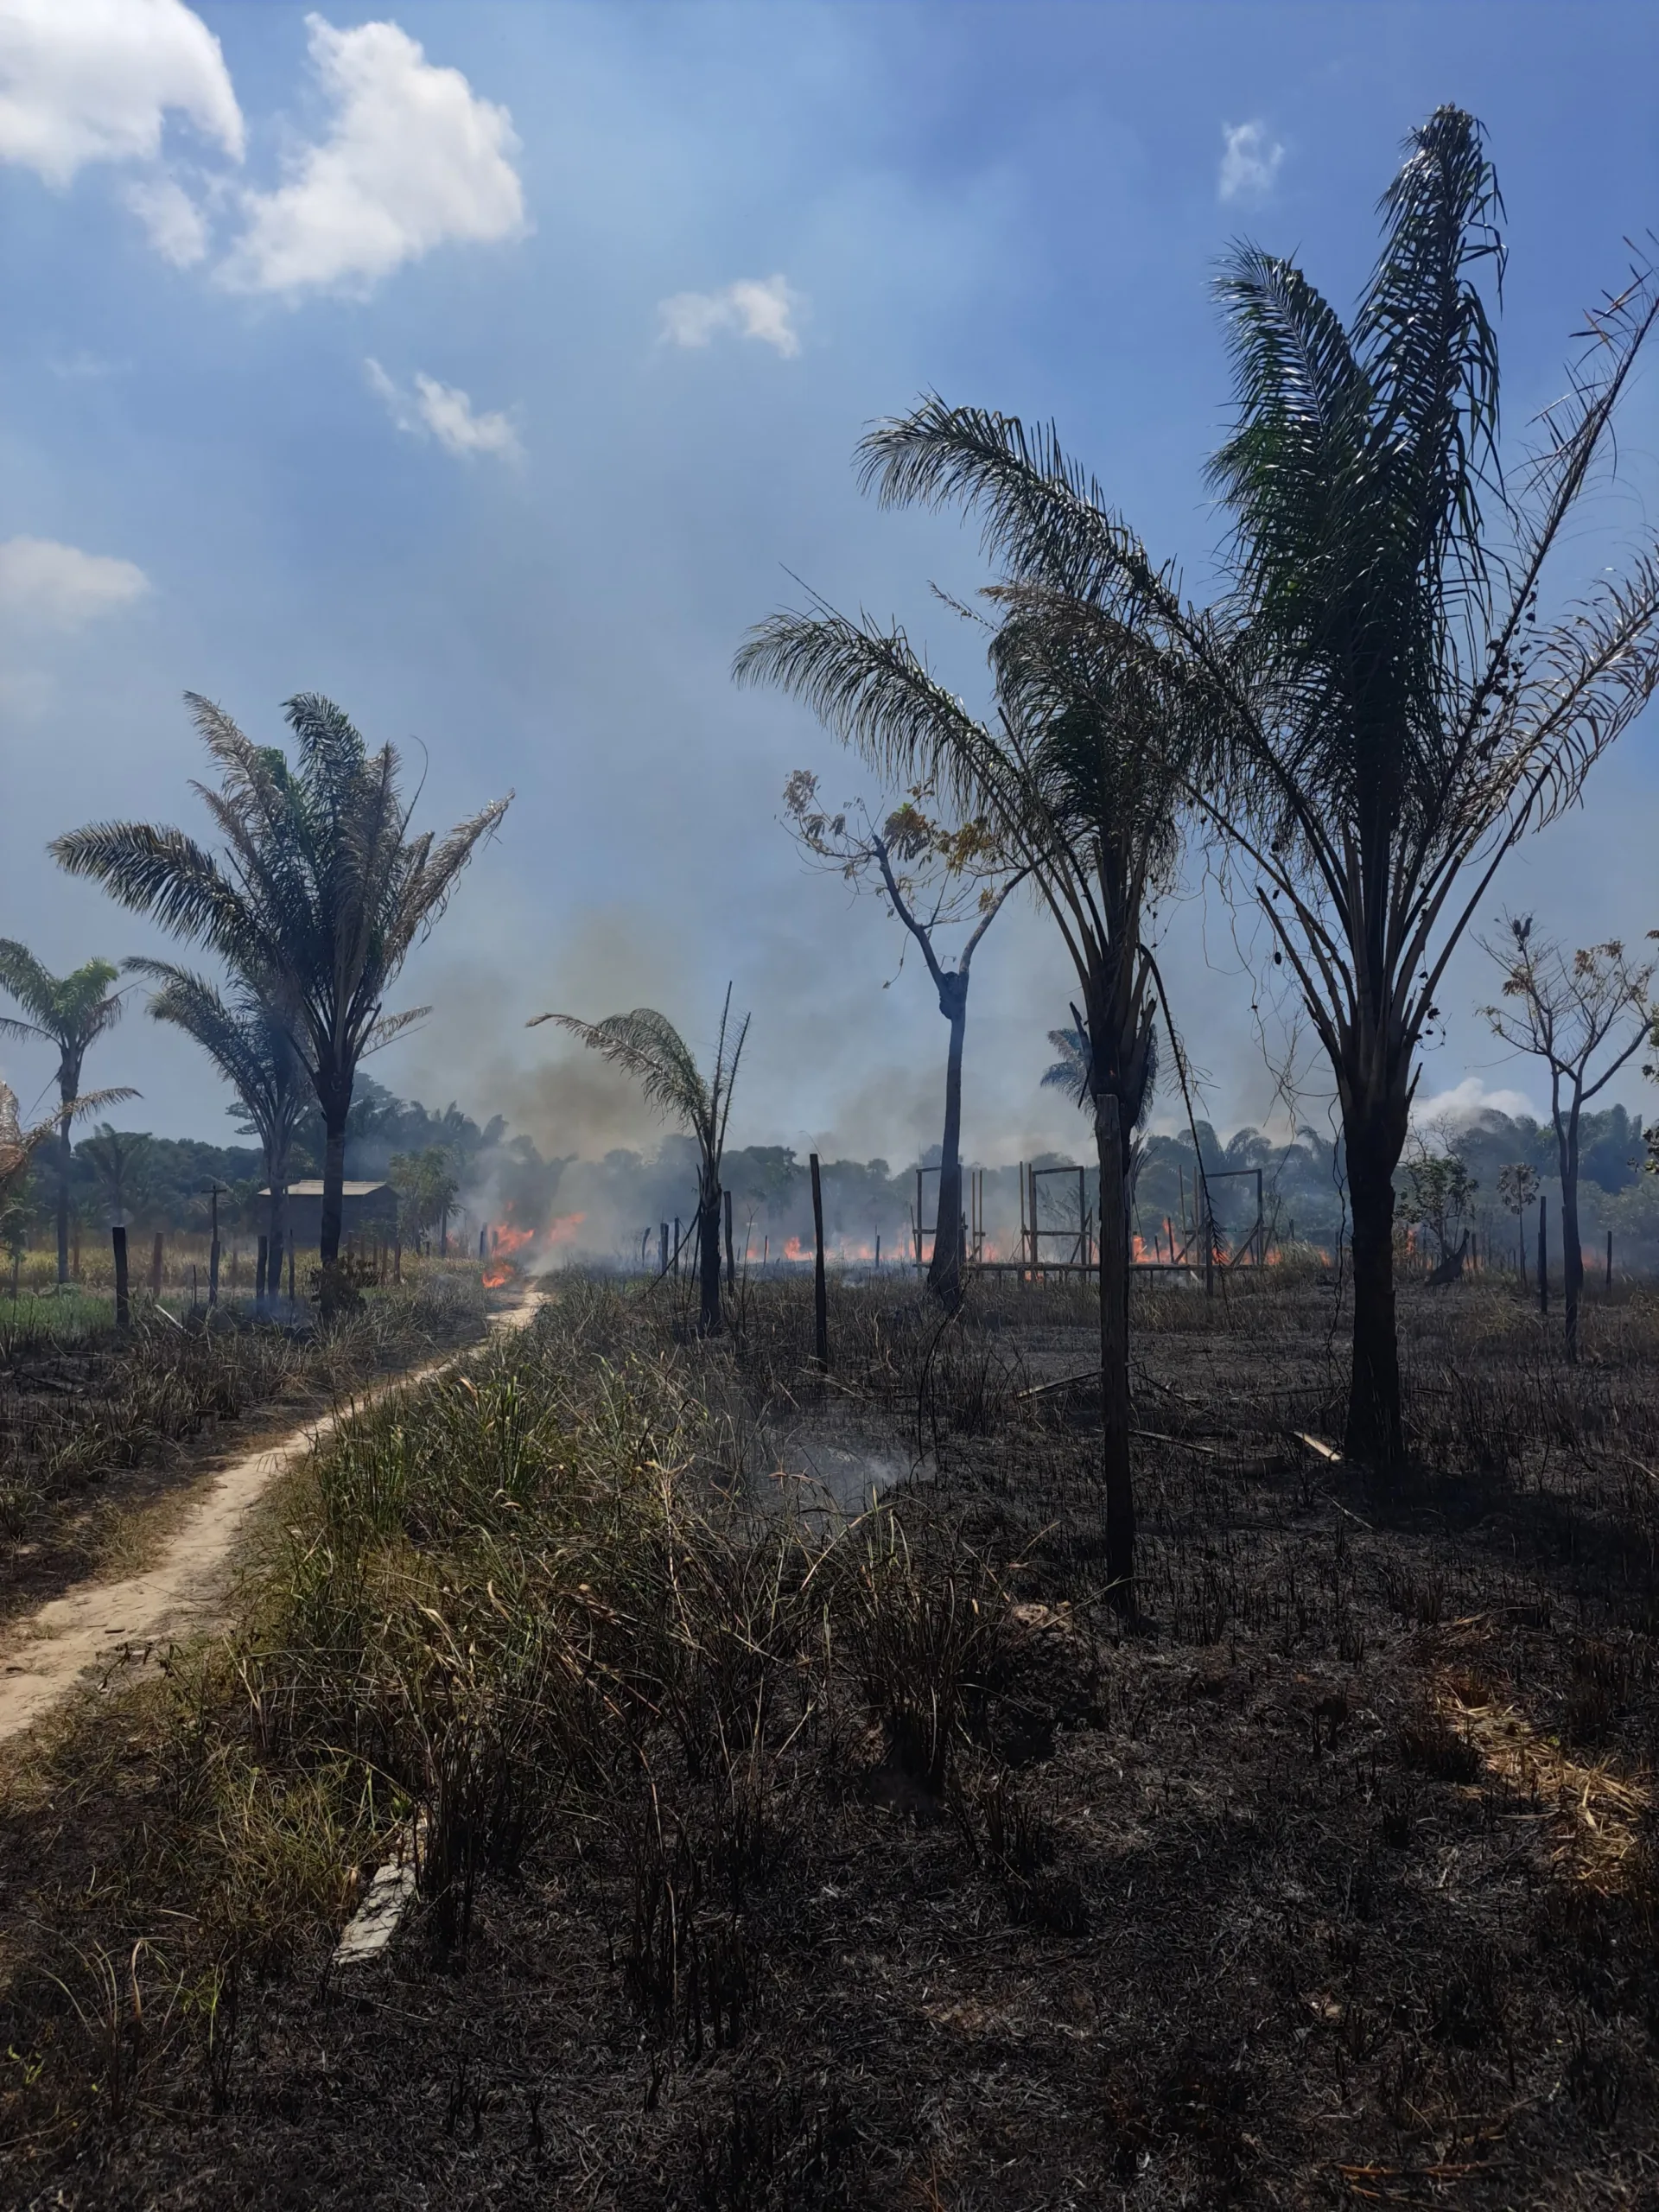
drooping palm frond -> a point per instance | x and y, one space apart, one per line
646 1045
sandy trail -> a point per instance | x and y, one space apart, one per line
43 1655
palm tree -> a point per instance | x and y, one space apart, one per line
315 904
1100 718
70 1012
119 1160
648 1046
1408 718
253 1050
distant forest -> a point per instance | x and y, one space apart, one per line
611 1207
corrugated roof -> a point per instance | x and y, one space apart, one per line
313 1189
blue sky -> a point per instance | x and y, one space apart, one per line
486 366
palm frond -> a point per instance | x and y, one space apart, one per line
647 1046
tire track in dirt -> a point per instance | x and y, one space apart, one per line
45 1653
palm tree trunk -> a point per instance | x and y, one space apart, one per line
708 1256
334 1201
1116 1484
65 1154
945 1270
1376 1433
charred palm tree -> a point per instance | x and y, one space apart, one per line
318 894
253 1050
70 1012
1410 718
647 1046
1099 722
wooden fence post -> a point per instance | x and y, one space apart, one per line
820 1296
1543 1257
123 1303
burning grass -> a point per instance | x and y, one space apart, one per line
774 1860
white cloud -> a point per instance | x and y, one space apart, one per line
414 159
176 226
1467 1099
92 80
754 307
1250 160
42 581
444 412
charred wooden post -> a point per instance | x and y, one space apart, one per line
1543 1258
123 1303
820 1293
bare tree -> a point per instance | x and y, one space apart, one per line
1518 1187
1584 1014
936 879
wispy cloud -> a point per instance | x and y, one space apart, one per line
85 81
753 307
1250 160
176 226
415 158
446 413
44 582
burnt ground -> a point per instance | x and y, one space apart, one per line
1334 1881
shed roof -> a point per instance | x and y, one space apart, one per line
313 1189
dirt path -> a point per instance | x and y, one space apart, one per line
44 1655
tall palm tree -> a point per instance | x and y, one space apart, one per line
1100 717
647 1046
253 1050
69 1013
314 903
1410 718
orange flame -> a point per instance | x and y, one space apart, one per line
508 1242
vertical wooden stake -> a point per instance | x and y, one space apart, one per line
820 1294
676 1247
123 1303
731 1260
1543 1258
213 1253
